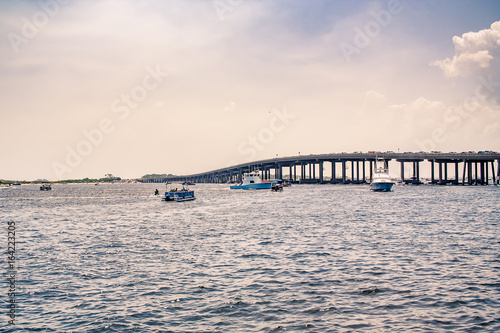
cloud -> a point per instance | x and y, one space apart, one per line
373 100
224 77
430 124
474 51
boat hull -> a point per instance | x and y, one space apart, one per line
179 196
256 186
381 186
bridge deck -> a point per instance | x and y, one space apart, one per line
234 173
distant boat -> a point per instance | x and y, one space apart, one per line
45 187
189 183
381 181
251 181
174 194
17 184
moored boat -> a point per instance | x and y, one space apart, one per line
381 181
252 181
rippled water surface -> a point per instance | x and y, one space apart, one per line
314 258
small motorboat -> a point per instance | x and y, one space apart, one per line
46 187
277 187
251 181
175 194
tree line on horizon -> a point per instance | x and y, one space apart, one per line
157 175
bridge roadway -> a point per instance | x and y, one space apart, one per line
475 167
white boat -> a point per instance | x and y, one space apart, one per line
251 181
381 181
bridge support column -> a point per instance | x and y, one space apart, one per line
418 172
371 170
469 178
475 173
432 171
498 171
321 171
402 171
334 173
364 172
440 173
357 172
445 173
464 171
487 175
343 172
493 172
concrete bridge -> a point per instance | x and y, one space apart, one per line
473 168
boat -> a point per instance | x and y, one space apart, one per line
283 182
381 181
277 187
175 194
46 187
251 181
189 183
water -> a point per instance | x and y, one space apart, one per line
329 258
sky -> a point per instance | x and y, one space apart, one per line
129 88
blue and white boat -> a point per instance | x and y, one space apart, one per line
381 181
175 194
251 181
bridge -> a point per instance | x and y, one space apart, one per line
469 168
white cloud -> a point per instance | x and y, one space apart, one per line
473 51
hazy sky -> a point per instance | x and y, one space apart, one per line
134 87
